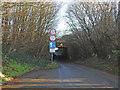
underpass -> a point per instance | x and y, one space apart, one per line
61 54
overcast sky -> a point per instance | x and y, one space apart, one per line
62 25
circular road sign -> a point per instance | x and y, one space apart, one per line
53 31
52 37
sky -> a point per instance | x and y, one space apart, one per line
62 26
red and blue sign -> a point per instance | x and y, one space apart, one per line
52 31
52 45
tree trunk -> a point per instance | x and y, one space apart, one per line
119 26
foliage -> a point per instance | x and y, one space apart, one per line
18 64
13 68
94 29
51 66
26 25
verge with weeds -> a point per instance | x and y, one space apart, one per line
17 64
107 65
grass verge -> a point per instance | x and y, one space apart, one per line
15 65
101 64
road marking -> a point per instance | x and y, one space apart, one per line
78 82
57 85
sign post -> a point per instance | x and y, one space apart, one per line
52 44
51 58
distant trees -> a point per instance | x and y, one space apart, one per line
26 25
94 29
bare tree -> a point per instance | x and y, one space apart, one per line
26 26
94 25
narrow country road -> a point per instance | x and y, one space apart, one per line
67 76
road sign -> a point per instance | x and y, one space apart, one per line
53 31
52 50
52 38
52 45
56 48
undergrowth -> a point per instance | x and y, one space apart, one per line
107 65
16 64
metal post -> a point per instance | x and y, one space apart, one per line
51 58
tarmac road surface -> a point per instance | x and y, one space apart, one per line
67 76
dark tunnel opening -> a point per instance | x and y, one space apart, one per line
61 54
